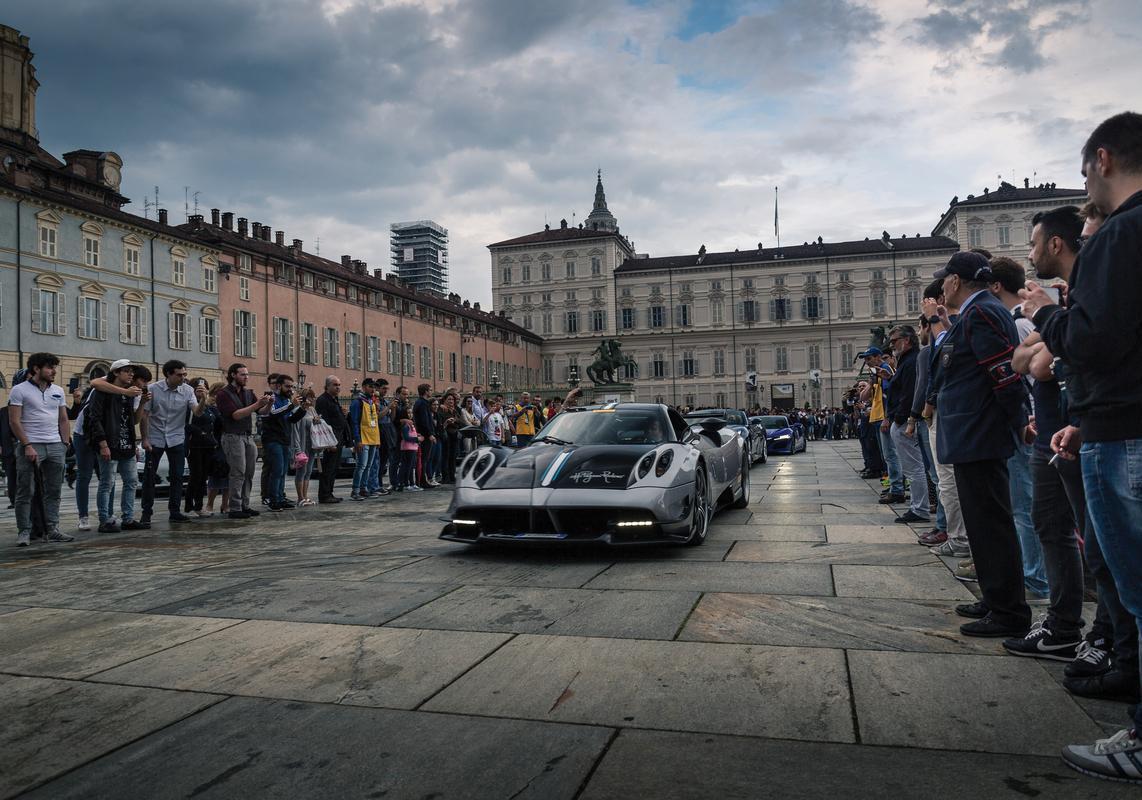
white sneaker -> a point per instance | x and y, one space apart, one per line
84 524
413 488
23 539
1113 759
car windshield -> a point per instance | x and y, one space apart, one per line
728 414
774 422
607 426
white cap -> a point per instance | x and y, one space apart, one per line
122 362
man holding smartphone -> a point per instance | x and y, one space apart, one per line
526 420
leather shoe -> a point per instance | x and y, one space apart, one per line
987 627
932 538
908 517
972 610
890 499
180 518
1112 685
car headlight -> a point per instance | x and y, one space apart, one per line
664 462
782 438
645 465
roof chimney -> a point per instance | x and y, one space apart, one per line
256 229
195 221
347 262
162 216
297 245
466 304
214 216
242 229
279 238
265 233
228 221
476 306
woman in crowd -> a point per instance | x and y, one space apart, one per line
468 419
302 454
450 424
201 446
409 447
432 469
218 478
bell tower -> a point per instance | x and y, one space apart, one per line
18 87
600 218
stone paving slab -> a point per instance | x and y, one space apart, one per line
253 748
317 567
872 534
827 553
792 621
143 555
794 693
581 612
343 602
765 531
108 590
390 667
10 609
733 516
499 569
995 704
718 577
65 643
688 766
903 583
51 726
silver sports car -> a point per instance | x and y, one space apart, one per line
630 473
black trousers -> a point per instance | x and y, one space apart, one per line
985 501
198 461
330 461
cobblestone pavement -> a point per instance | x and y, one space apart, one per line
808 649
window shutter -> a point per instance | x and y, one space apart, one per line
80 316
123 322
202 336
170 330
37 318
102 321
253 335
142 325
805 307
237 333
291 339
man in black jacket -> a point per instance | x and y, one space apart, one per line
1099 338
425 424
981 402
109 425
328 405
905 345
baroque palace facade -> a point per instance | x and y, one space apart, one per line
769 327
84 279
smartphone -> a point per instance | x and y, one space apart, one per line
1053 291
73 384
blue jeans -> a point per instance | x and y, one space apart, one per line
373 483
276 455
1112 478
930 467
1019 483
888 453
84 469
128 470
365 460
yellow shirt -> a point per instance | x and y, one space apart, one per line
876 409
370 432
525 422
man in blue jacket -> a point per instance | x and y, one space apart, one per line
981 402
1099 338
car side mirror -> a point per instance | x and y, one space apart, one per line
472 432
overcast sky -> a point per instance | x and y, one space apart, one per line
333 119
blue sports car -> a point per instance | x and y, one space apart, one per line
781 436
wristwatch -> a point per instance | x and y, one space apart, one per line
934 319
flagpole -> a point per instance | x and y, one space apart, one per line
776 224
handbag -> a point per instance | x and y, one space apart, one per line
322 435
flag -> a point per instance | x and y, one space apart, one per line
776 227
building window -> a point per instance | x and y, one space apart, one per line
209 278
467 369
307 280
526 270
570 269
778 280
719 362
132 260
717 312
844 276
331 355
877 275
507 276
975 236
409 360
570 295
747 283
598 320
1004 232
846 354
546 323
811 307
545 271
439 365
751 359
597 294
48 236
352 350
178 330
627 319
878 302
372 354
912 300
208 334
720 400
507 300
245 333
244 288
479 370
780 309
684 315
657 316
845 302
596 266
527 321
715 286
658 366
571 322
781 358
548 370
132 323
178 272
393 357
750 311
245 263
283 339
688 368
92 318
426 362
814 356
911 272
452 367
308 343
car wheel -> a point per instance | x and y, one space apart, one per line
742 501
764 451
700 513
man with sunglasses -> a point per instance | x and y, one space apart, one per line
905 345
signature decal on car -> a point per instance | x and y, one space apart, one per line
586 476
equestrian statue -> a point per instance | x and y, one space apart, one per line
610 360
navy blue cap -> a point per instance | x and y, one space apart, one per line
968 265
872 351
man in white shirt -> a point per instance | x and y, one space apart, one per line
38 417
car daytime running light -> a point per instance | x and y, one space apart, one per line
664 462
642 523
465 522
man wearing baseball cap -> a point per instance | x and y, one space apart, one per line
981 401
109 427
877 419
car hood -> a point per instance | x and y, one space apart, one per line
772 432
568 467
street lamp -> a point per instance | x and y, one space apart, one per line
494 383
301 378
573 376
